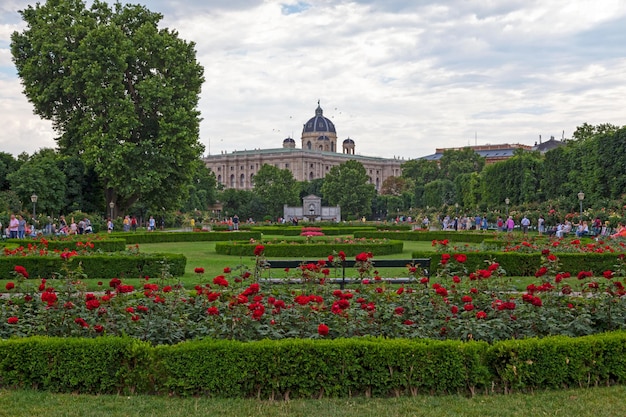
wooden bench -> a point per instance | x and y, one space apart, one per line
420 263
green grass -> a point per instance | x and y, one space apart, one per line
596 402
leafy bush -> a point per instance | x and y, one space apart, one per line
307 250
160 237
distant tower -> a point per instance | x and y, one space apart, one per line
289 143
348 146
319 134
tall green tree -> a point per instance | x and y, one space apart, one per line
347 185
121 93
276 187
456 162
40 175
8 164
202 188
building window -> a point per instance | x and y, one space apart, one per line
311 176
219 169
287 165
312 166
251 166
232 168
242 181
219 179
241 168
232 181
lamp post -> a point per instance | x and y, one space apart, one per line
456 209
581 197
111 205
34 198
507 201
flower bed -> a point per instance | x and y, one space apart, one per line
454 304
80 243
311 247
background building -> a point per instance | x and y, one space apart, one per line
319 152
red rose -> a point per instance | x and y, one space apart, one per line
399 311
460 257
21 270
12 320
199 270
227 270
98 328
322 329
481 315
258 250
9 286
454 309
213 311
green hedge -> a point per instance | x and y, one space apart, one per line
104 245
526 264
308 250
423 236
162 237
98 265
304 368
296 230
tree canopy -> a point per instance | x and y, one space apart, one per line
347 185
121 93
276 187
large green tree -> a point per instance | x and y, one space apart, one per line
347 185
40 175
276 187
121 93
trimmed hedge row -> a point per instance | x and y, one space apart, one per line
104 245
309 250
296 230
526 264
162 237
98 266
468 237
304 368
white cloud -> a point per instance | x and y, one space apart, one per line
400 77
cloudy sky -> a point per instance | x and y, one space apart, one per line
400 77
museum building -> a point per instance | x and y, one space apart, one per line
318 153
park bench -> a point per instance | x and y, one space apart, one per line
422 264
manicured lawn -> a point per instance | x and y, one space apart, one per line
596 402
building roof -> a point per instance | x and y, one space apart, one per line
319 123
296 151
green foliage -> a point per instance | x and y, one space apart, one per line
40 175
348 186
292 368
276 187
309 250
97 265
297 230
159 237
121 92
103 365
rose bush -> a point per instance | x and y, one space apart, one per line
454 304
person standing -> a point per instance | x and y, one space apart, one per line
109 225
500 224
510 224
151 224
525 224
236 222
133 223
541 225
21 227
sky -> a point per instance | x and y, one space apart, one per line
399 77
